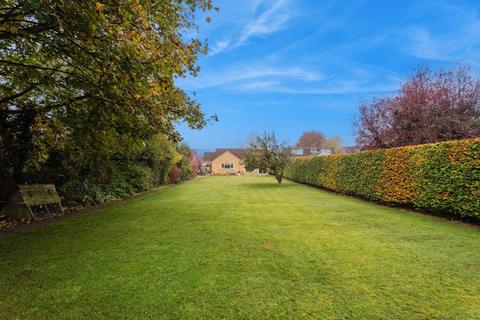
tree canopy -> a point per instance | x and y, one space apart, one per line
311 139
267 153
334 142
81 81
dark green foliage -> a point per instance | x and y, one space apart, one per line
123 181
443 177
86 85
160 155
186 173
184 163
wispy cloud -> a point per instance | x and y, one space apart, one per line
271 20
350 78
219 46
458 39
333 85
344 87
256 76
268 17
259 85
422 45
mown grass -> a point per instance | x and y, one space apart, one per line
243 248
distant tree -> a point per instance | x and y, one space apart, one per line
311 139
266 152
334 142
430 107
195 163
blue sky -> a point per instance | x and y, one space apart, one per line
297 65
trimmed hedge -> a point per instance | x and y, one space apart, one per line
442 177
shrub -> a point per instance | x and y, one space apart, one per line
121 181
442 177
175 175
186 171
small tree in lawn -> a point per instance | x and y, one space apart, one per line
266 152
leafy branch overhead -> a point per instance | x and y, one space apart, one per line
77 75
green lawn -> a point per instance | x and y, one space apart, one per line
243 248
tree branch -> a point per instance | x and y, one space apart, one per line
19 64
17 95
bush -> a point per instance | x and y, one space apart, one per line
442 177
186 171
175 175
122 181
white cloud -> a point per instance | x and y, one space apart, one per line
423 45
219 47
269 20
258 85
459 39
240 75
340 87
292 73
349 78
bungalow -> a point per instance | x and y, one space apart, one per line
225 161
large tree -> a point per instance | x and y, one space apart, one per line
77 78
311 139
430 107
267 153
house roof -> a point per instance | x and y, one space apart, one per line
239 152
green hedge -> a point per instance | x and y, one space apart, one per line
443 177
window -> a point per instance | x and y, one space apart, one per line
227 165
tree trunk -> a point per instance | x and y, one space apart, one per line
279 178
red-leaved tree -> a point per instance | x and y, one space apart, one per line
195 163
311 139
430 107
